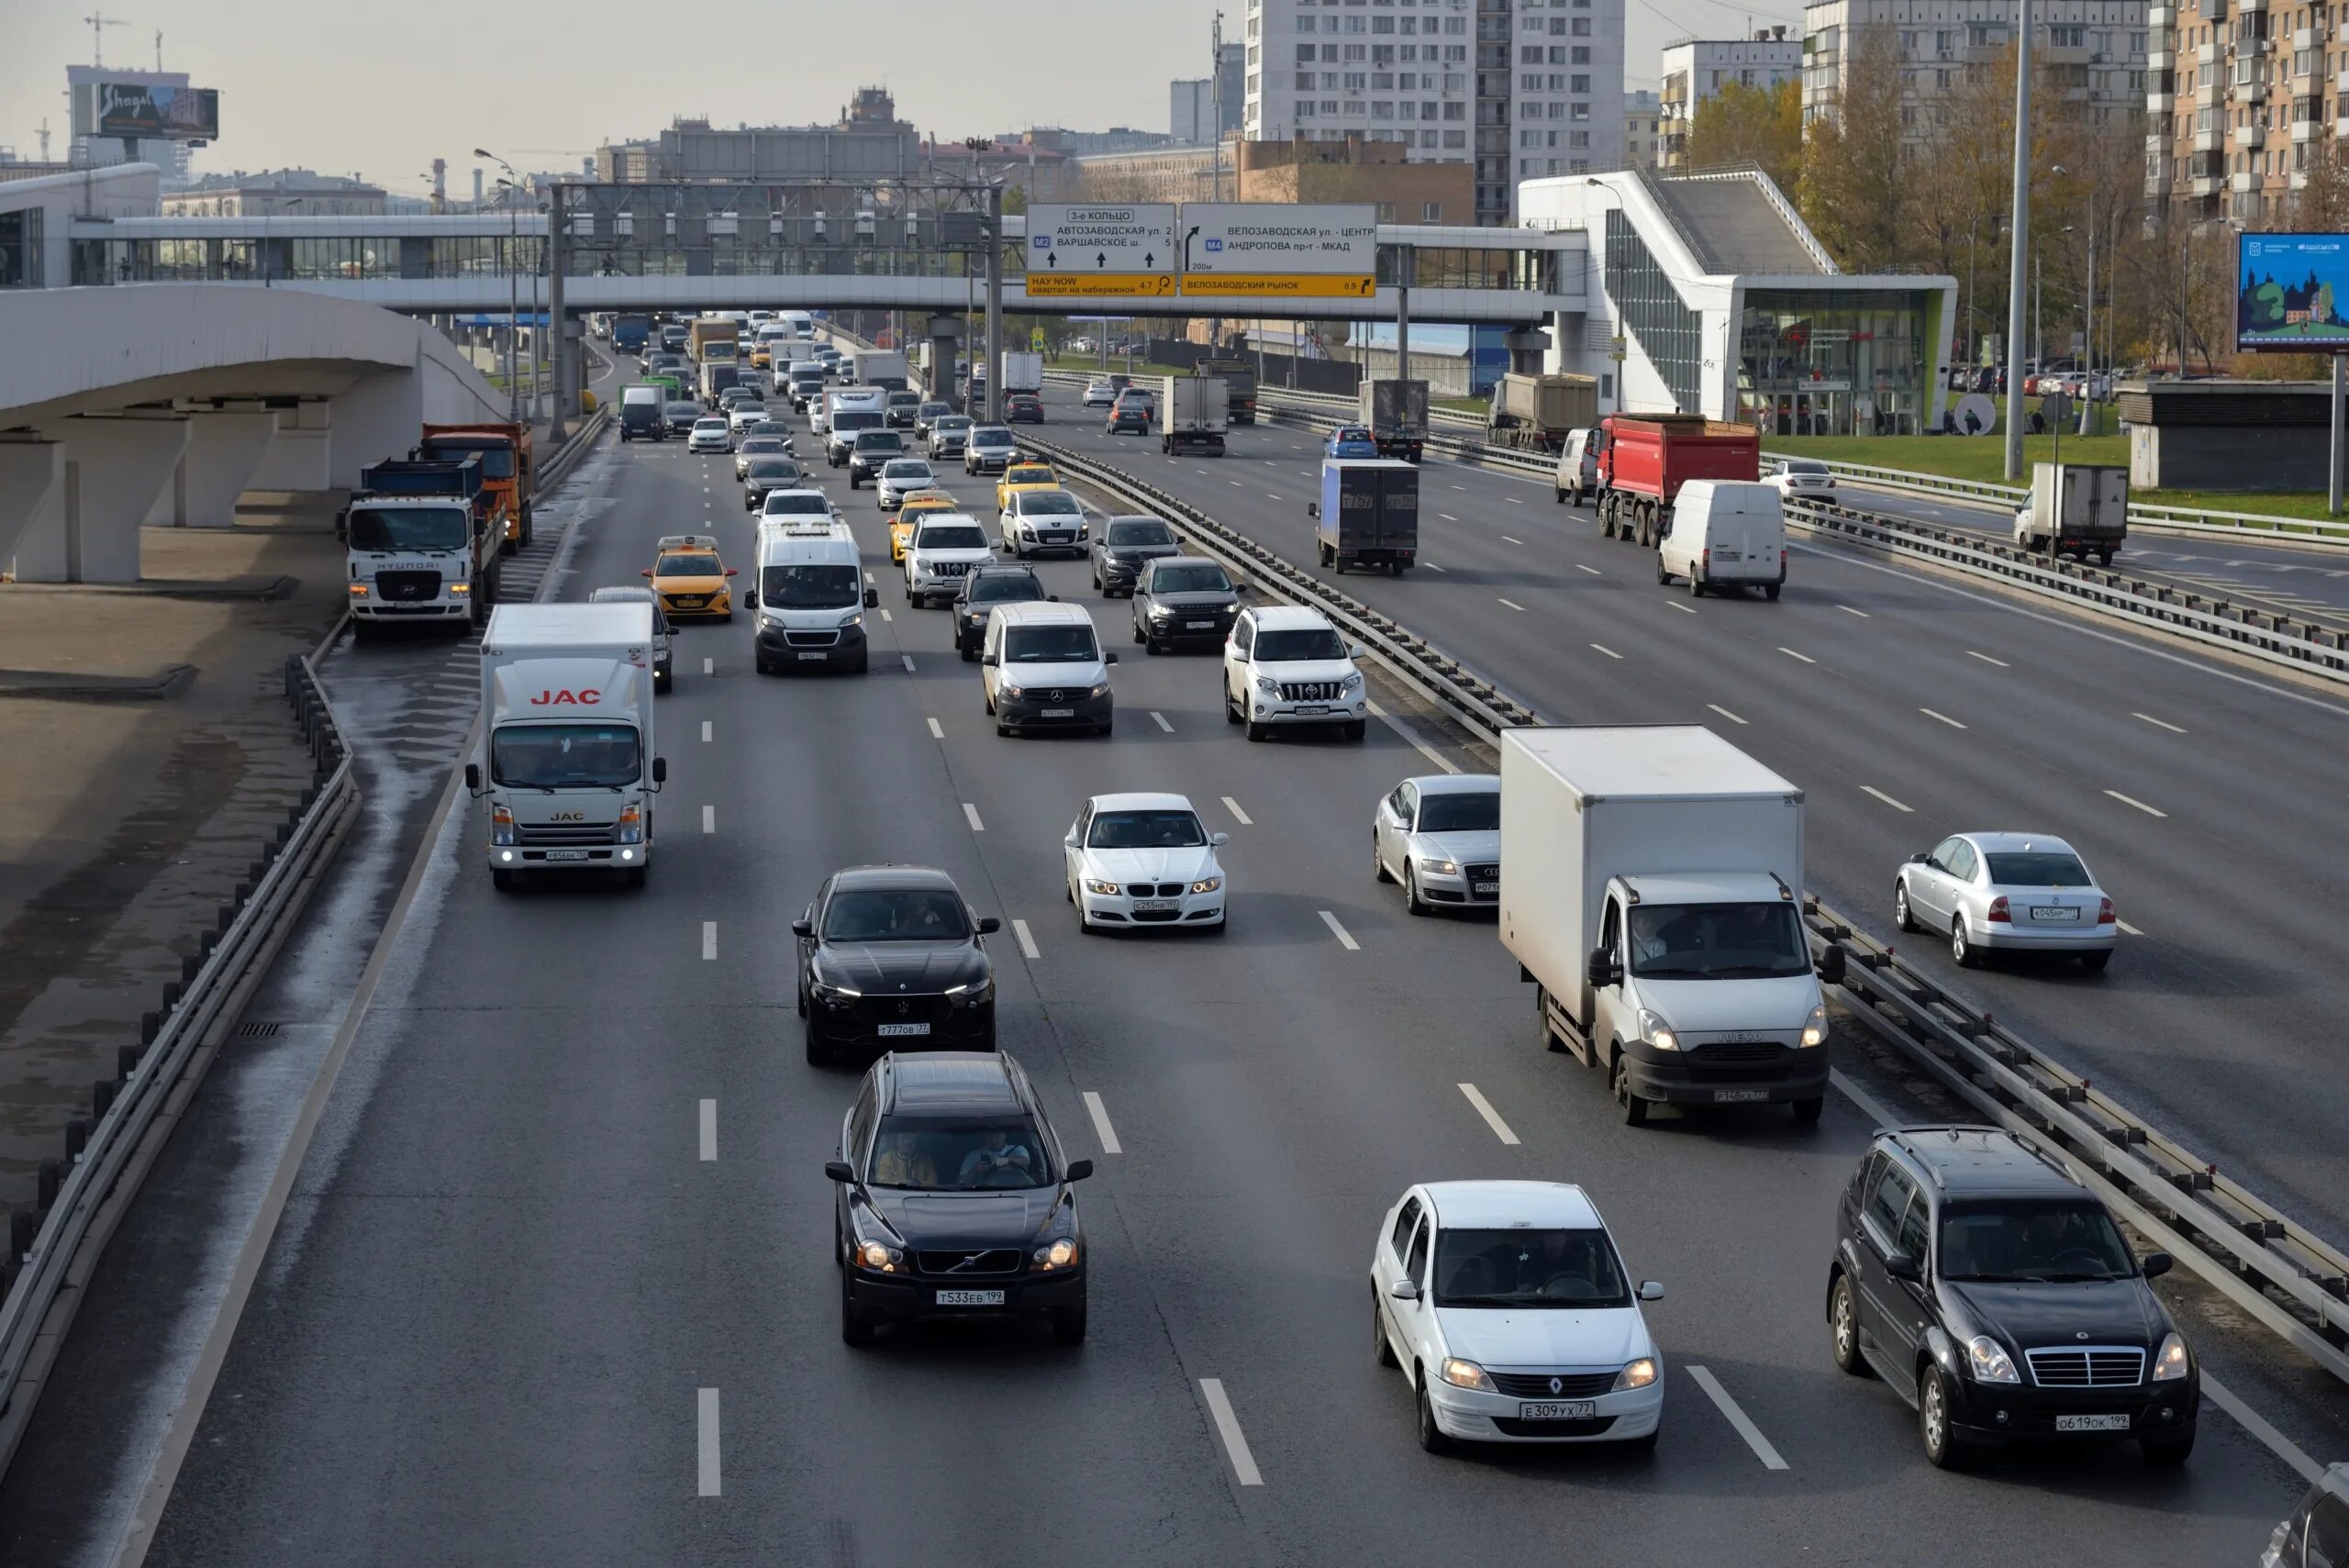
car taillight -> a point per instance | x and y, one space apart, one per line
1998 911
2104 915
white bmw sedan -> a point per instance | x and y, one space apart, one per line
1507 1306
1143 860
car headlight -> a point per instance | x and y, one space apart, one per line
1638 1374
1095 884
1987 1361
1351 683
837 995
1656 1032
1160 612
501 825
1014 693
879 1258
1100 691
2171 1364
1059 1254
1814 1028
1268 686
857 619
1440 868
632 824
1207 884
1463 1374
770 623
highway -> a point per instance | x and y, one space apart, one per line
554 1285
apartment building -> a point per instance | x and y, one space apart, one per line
2238 99
2094 51
1519 89
1695 69
1642 129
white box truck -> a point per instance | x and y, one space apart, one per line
567 761
879 367
2076 509
1195 415
1022 372
1652 888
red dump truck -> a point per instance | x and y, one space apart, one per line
1644 459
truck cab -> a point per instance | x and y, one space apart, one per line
508 462
419 545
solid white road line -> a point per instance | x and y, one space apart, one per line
1492 1117
1162 721
1594 571
1870 1107
1738 1419
2128 927
1792 654
705 731
1850 611
1724 713
1344 941
1609 652
1515 605
1026 939
2140 804
2158 723
972 813
1234 806
936 732
1988 659
1101 1123
1946 718
709 938
705 1434
1871 789
2251 1421
910 662
709 819
710 666
1226 1425
709 1129
1410 734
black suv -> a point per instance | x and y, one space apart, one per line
892 955
1183 598
1980 1279
984 587
1124 546
954 1199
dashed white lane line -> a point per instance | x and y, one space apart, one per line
1792 654
937 731
1162 721
1431 565
1512 604
2158 723
1235 483
971 813
706 1439
1609 652
1988 659
709 938
709 1129
1594 571
885 615
1447 516
1850 611
1946 718
1871 789
709 819
1492 1117
1101 1127
1026 939
1344 941
1234 806
1505 539
1676 605
1724 713
2127 800
1460 487
2128 927
710 666
1270 496
910 662
1512 500
1226 1425
1738 1419
868 579
705 730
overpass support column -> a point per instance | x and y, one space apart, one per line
32 491
296 456
224 448
114 469
945 338
381 416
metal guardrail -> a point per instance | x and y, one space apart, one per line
2292 1283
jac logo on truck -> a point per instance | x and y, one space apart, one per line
568 817
587 697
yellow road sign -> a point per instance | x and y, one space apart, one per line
1280 285
1118 285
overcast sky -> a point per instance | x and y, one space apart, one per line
383 88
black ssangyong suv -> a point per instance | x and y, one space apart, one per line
1976 1274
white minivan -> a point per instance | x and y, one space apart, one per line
1578 475
810 598
1042 667
1725 533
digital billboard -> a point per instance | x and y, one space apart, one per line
154 113
2292 293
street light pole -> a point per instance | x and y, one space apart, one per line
2022 243
513 284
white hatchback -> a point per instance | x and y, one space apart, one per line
1143 860
1507 1308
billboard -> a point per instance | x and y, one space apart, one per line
1278 250
2292 293
154 113
1099 249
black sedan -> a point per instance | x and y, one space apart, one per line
1183 598
1131 412
954 1199
1124 546
1023 408
891 956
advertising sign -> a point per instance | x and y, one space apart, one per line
1279 250
1100 249
155 113
2292 293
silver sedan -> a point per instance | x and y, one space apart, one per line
2002 892
1440 836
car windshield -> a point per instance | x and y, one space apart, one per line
1525 1268
1150 532
870 444
1475 811
796 504
1049 503
955 536
958 1154
1717 941
409 528
2036 868
932 409
744 408
1296 646
895 915
713 424
954 424
774 468
1048 645
685 411
1145 830
1352 433
1005 588
991 435
1190 579
2032 1239
809 586
690 563
908 468
564 756
752 445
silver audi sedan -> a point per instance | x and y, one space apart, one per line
1440 836
2007 892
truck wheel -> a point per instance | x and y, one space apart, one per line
1807 1112
1635 1109
1326 553
1662 577
1772 590
2104 558
502 880
1696 583
636 876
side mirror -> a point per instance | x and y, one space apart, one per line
1651 1290
1243 588
645 571
1313 510
1832 966
473 778
1108 658
989 925
1354 651
1218 841
1403 1290
1901 1266
804 929
1079 1169
2157 1264
1601 970
987 660
1921 857
873 598
1052 599
837 1170
750 598
660 770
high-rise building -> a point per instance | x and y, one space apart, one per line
1519 89
1191 103
2093 52
2238 103
1695 69
1643 123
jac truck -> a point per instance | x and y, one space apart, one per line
419 539
1396 415
1194 415
2075 509
630 333
1368 514
704 333
1533 413
1644 459
1651 891
884 368
507 460
1240 384
567 762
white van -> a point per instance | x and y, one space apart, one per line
810 596
1577 467
1041 667
1725 533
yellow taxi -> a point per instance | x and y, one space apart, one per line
759 355
690 579
901 526
1021 476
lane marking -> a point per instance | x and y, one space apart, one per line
709 938
1026 939
910 662
885 615
1988 659
709 1129
1344 941
868 579
2140 804
1870 1107
1412 734
1270 496
705 731
1226 1425
1792 654
1162 721
705 1435
2128 927
1492 1117
1101 1127
1724 713
1447 516
1430 566
1609 652
1515 541
710 666
1946 718
2251 1421
1738 1419
1235 485
972 813
1514 502
1460 487
2158 723
1234 806
1676 605
1512 604
1850 611
709 819
1594 571
936 732
1871 789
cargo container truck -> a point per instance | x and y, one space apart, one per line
1368 514
1396 415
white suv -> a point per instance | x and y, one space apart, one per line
1287 665
945 547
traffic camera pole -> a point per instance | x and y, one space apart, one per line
2017 270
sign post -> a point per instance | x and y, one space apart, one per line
2340 404
1100 250
1263 250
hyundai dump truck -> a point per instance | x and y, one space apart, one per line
1396 415
1533 413
1195 415
1239 383
1652 889
567 762
420 537
2075 509
507 460
1644 459
1368 514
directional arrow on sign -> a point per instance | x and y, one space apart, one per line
1102 260
1051 259
1150 259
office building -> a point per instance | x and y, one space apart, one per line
1695 69
1191 105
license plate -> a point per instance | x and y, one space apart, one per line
1155 906
1059 713
566 855
1559 1411
816 656
1311 710
2053 912
1740 1096
970 1298
895 1031
1729 555
2092 1423
1488 888
1198 626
